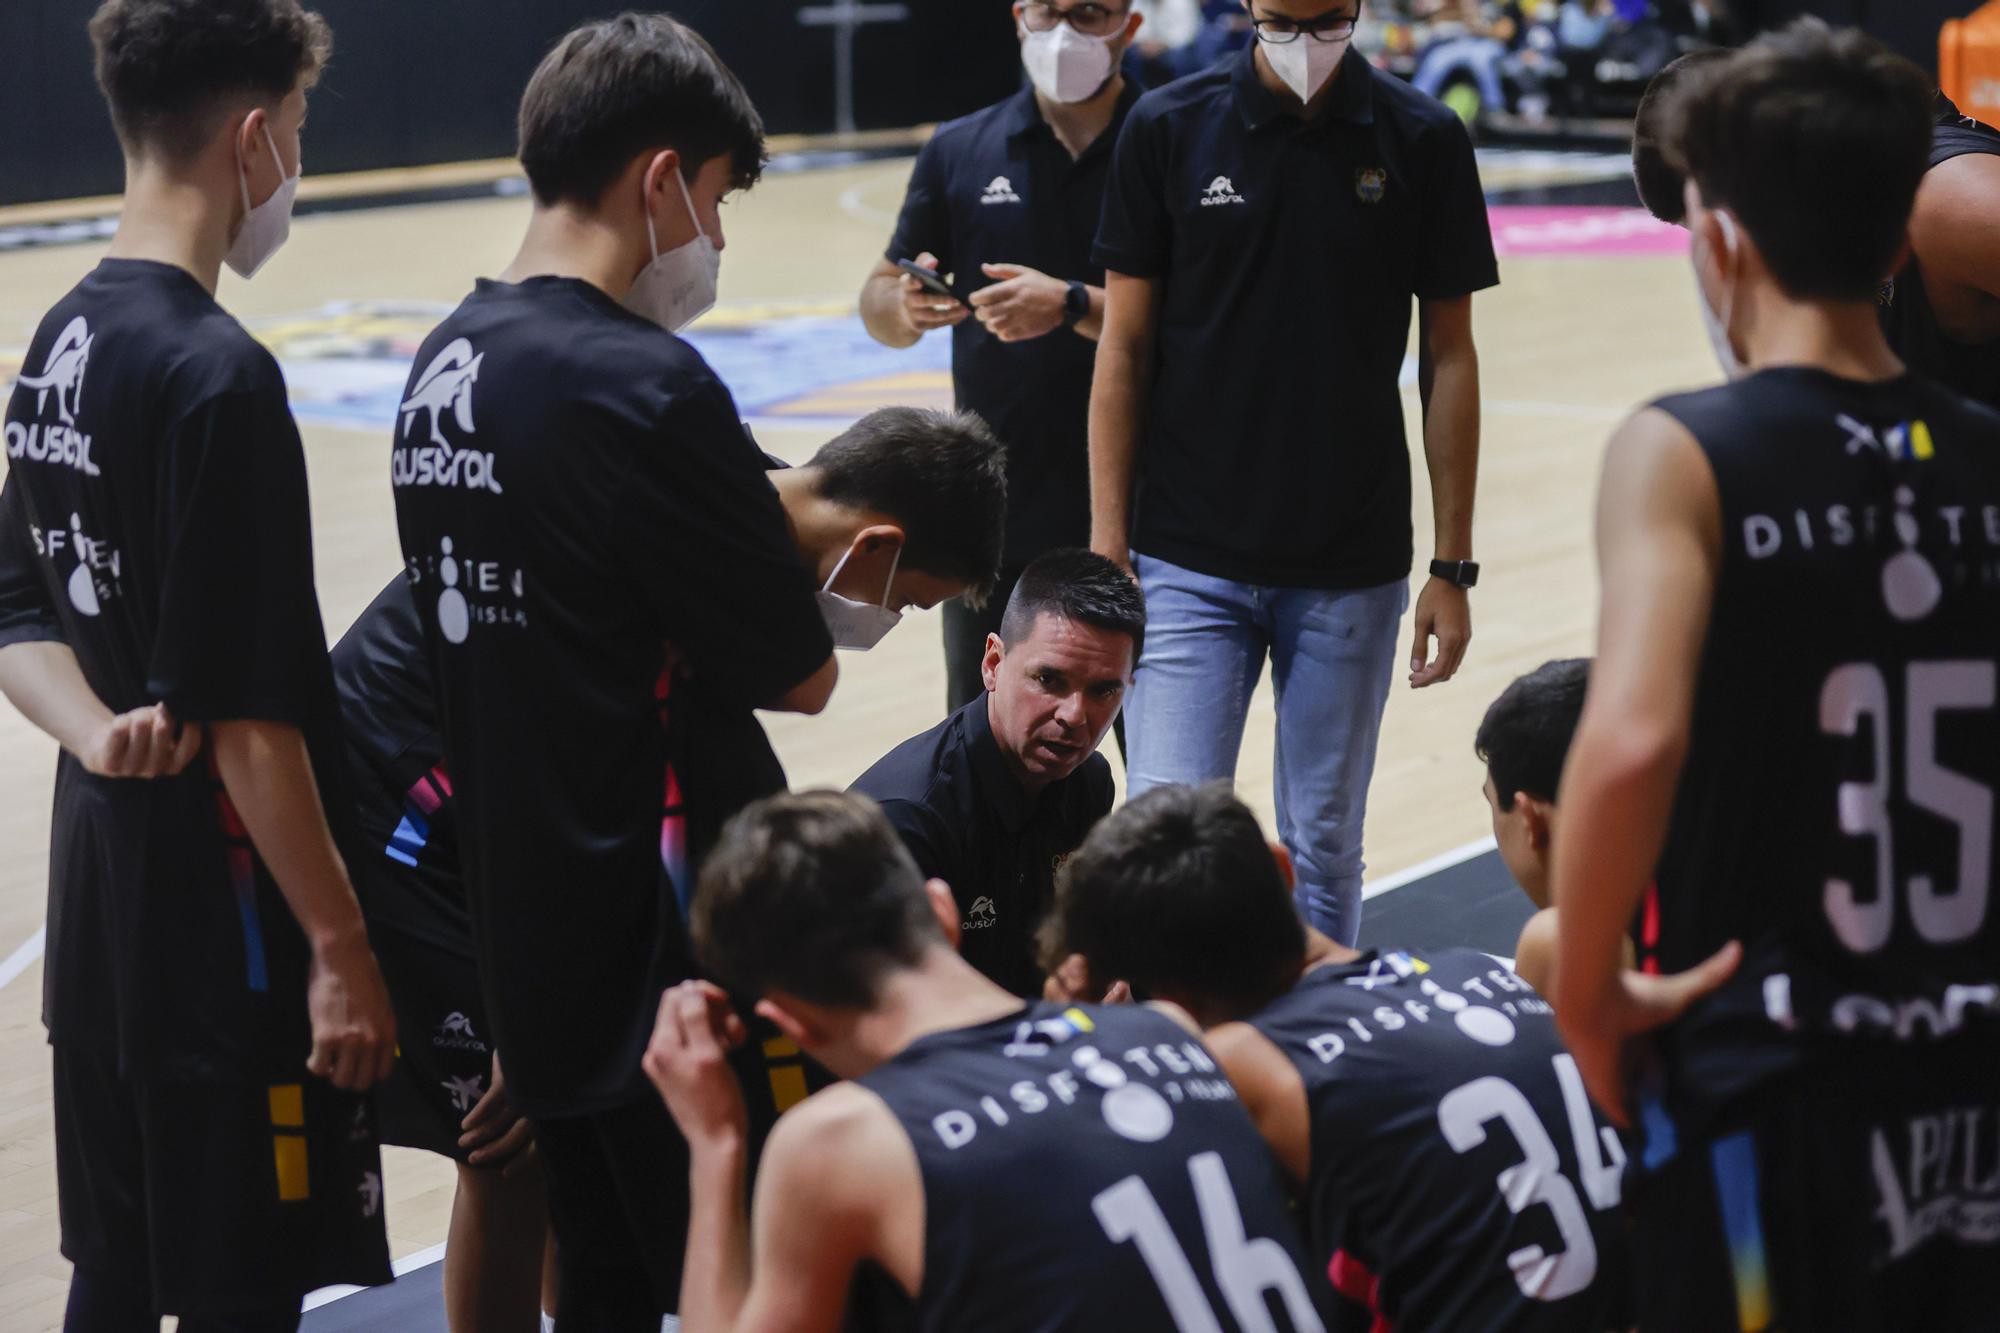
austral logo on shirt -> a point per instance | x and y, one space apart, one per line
455 1034
984 914
444 389
59 441
1001 191
1220 191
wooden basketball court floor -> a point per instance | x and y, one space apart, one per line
1581 330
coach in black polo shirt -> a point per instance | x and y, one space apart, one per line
994 798
1006 202
1268 225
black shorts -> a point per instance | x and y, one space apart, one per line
1862 1194
443 1057
222 1198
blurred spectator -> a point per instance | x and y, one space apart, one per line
1171 27
1477 40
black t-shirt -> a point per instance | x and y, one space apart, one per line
998 187
155 519
1908 316
574 493
1433 1084
1089 1168
968 821
1836 809
1272 447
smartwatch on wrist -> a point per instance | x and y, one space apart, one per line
1076 304
1458 573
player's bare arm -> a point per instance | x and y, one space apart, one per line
1448 381
1659 549
1956 234
838 1184
1270 1089
1117 402
45 681
268 775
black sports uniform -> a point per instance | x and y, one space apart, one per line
574 494
1820 1150
1909 318
1089 1168
155 520
1459 1178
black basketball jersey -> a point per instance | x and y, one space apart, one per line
1090 1168
1909 318
1459 1177
1836 808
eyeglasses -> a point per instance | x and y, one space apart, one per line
1280 32
1088 19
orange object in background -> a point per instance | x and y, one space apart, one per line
1969 62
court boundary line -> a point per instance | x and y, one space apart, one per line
402 1267
1443 861
26 956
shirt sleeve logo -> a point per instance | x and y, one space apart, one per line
1001 191
1220 191
1371 184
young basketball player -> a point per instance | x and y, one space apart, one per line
214 1008
904 508
1791 731
995 1163
1448 1165
573 494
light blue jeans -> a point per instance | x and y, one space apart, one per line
1333 655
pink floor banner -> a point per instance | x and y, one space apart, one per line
1526 230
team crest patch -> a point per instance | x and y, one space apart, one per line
1370 184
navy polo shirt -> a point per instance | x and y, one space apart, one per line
967 820
1272 450
998 187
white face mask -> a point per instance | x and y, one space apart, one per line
1065 65
678 287
858 625
1716 322
1305 63
267 225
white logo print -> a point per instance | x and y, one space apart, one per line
1134 1111
454 616
455 1032
444 388
64 371
1910 587
370 1190
98 566
464 1091
984 914
63 376
1001 191
1220 191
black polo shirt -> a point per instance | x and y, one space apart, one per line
998 187
1272 450
968 821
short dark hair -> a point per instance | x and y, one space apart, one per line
941 475
1178 894
613 89
1077 585
812 894
1524 738
1662 186
1816 138
168 67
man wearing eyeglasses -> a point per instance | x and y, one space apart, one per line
1268 224
1005 203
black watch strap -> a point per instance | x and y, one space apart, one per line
1461 573
1076 304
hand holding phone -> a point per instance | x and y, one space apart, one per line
929 280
